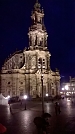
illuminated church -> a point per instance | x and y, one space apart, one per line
21 73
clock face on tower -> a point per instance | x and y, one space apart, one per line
33 62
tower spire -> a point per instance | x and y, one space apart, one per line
36 1
37 6
37 32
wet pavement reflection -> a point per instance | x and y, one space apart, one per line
21 121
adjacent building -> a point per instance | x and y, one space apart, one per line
21 73
68 88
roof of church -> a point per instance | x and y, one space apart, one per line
11 55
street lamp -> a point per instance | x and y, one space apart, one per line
47 97
25 97
42 95
40 60
25 77
9 102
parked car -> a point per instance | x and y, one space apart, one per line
13 100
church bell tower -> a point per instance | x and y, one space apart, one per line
37 31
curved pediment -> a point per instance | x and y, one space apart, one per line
16 61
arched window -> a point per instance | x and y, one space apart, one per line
21 93
52 91
43 61
8 83
8 92
39 62
13 93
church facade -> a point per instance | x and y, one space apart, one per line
21 73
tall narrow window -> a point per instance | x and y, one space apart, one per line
39 63
43 63
52 91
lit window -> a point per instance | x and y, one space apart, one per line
43 66
39 60
52 91
43 61
21 93
66 87
13 92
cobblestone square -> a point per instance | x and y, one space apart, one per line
21 121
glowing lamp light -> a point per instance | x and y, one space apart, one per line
47 95
66 87
7 97
61 92
62 88
25 97
67 93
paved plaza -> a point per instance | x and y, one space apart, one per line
21 121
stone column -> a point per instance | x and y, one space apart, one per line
36 61
29 41
36 84
34 40
38 42
43 42
47 84
48 62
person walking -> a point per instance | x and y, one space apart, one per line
57 108
42 124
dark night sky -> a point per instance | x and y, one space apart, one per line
60 24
